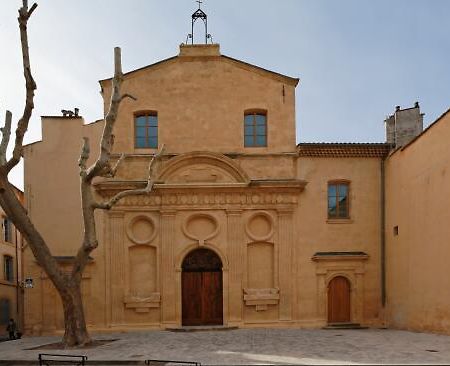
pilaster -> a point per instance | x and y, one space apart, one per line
236 255
117 267
169 299
285 244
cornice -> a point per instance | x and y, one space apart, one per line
221 196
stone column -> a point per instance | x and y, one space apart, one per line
285 243
236 255
169 298
117 267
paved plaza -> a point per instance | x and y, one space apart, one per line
256 347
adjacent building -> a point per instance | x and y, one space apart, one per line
11 291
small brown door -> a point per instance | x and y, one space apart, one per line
339 300
201 288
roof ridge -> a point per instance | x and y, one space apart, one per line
223 57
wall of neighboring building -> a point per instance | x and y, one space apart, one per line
11 299
8 289
361 232
417 206
52 189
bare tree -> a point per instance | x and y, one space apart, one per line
67 284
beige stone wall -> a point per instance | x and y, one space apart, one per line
9 289
315 233
418 202
53 201
248 205
201 100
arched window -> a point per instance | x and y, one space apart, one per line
255 129
146 130
338 200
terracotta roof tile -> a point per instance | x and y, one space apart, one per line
343 149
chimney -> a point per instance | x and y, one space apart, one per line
404 125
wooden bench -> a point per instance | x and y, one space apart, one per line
48 359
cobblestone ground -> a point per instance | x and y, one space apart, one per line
257 346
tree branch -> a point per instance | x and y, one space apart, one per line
84 156
113 170
101 168
6 134
106 143
133 192
126 95
22 126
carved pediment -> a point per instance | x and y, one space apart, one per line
202 168
200 173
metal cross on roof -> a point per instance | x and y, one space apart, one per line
199 14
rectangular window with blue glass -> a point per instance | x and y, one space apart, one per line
255 129
338 202
146 130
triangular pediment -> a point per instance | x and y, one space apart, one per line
212 51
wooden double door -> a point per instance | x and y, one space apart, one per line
201 289
339 300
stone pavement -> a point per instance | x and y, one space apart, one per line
256 346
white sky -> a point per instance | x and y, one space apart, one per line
357 59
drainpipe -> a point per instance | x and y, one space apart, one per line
19 283
17 279
382 231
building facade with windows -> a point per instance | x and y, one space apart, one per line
244 227
10 255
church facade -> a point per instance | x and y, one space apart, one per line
244 227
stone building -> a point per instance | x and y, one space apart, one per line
244 228
10 278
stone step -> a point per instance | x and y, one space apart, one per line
344 326
201 328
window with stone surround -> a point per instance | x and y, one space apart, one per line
255 128
338 200
146 130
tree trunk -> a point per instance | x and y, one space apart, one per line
76 334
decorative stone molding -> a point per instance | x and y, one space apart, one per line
178 260
261 297
188 228
346 264
267 233
131 229
204 158
339 256
220 199
142 305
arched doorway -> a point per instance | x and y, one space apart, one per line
339 300
201 288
